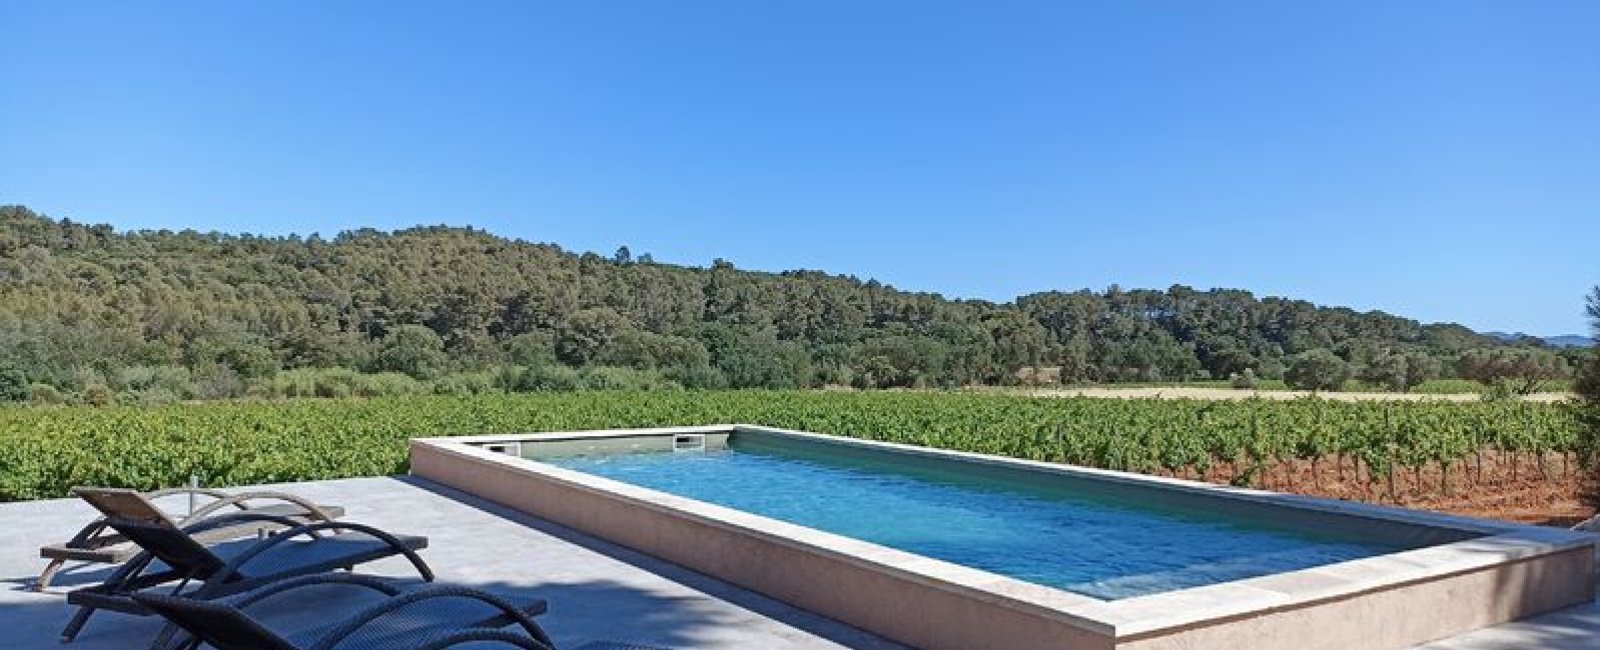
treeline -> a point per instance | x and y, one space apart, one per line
91 314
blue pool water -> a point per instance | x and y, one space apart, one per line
1098 545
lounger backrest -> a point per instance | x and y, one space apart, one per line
222 626
129 513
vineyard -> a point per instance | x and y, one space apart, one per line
1382 451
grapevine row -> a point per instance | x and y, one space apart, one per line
45 451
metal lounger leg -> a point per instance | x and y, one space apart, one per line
164 638
48 575
76 624
170 629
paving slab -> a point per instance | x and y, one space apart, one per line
596 590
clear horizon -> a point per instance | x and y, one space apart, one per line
1433 160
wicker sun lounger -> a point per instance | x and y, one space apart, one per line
430 618
172 557
97 543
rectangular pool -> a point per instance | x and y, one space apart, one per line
1061 534
952 551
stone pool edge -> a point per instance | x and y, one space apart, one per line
1391 600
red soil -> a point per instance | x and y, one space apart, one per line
1515 489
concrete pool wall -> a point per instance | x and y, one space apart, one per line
1476 573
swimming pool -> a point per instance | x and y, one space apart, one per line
952 551
1068 536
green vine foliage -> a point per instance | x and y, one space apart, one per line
45 451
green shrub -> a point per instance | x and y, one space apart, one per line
698 377
308 382
336 384
1245 380
609 378
468 383
544 378
151 397
300 382
45 394
151 384
388 384
99 395
217 381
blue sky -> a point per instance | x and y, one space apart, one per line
1439 160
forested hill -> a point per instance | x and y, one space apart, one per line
84 305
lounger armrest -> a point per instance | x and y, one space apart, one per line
376 612
242 499
89 535
354 579
232 518
233 567
201 491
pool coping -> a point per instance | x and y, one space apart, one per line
1124 620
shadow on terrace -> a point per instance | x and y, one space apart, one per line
595 590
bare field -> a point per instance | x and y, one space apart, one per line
1554 492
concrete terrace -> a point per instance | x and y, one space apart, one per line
596 590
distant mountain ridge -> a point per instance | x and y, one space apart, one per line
1561 341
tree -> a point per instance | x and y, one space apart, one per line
1588 385
1226 359
13 384
1318 369
413 350
1018 340
969 353
586 333
1400 371
899 361
535 348
310 348
755 359
248 360
647 350
1588 388
1518 371
77 299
